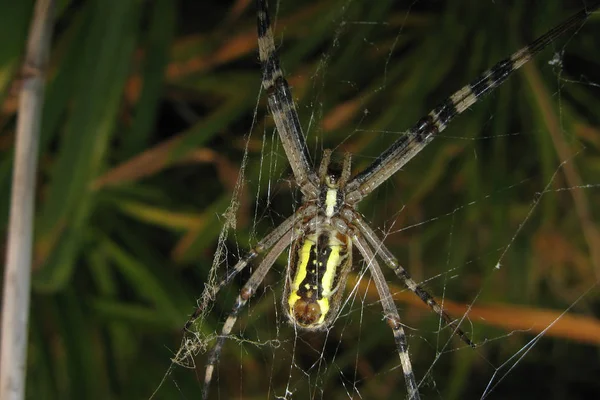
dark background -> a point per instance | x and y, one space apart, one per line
150 109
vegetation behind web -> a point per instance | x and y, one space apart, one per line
150 108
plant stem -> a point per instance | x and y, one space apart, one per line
17 271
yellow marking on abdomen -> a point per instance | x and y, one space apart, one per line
312 294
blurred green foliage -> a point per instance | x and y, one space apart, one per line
151 107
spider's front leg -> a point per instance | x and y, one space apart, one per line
436 121
282 105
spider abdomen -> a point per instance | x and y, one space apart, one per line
319 266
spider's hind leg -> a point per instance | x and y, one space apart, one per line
245 294
265 244
391 261
391 315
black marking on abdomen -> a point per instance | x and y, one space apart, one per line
311 287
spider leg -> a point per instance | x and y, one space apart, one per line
245 293
425 130
265 244
391 314
392 262
282 105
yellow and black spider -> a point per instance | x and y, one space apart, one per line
327 225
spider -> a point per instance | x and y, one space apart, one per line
326 226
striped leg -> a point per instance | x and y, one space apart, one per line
265 244
245 294
282 105
391 314
391 261
425 130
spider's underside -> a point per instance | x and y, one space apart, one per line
327 225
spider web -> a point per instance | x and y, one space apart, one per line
495 218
